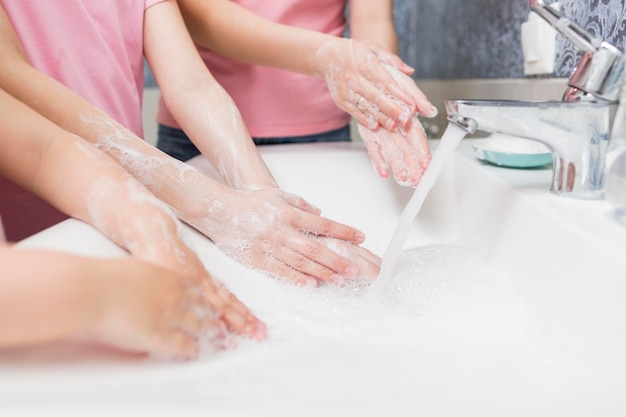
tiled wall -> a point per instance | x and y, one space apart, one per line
455 39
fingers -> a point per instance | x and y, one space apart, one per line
393 101
367 262
309 260
236 316
305 261
375 153
314 258
405 86
391 92
406 153
195 328
391 59
192 318
300 203
321 226
372 84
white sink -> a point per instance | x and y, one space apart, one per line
513 305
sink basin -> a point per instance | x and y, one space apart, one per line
507 301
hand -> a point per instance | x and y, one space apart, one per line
371 84
367 262
277 232
150 231
146 308
405 152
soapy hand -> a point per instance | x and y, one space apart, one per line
178 314
367 262
150 232
277 232
405 152
371 84
147 308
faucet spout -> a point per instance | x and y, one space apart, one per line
576 129
577 134
598 74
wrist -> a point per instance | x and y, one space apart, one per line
327 54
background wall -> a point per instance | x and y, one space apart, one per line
472 49
457 39
460 39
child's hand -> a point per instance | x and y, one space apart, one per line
149 230
367 262
278 232
403 152
371 84
145 308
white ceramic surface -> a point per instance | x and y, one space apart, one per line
515 306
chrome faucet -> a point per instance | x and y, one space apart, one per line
576 129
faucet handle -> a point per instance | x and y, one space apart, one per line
600 69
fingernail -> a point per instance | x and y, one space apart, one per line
307 282
337 279
405 118
257 331
431 111
352 271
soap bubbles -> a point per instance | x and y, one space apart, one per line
454 287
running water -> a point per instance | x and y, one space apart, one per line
451 138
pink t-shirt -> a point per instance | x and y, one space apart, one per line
95 47
273 102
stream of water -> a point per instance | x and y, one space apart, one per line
451 138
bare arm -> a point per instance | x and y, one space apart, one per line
236 32
364 78
219 212
199 104
132 305
351 69
80 180
373 20
44 297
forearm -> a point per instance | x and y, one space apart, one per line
83 182
200 105
43 297
373 20
211 119
216 25
172 181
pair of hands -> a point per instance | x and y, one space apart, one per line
374 87
162 299
282 234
